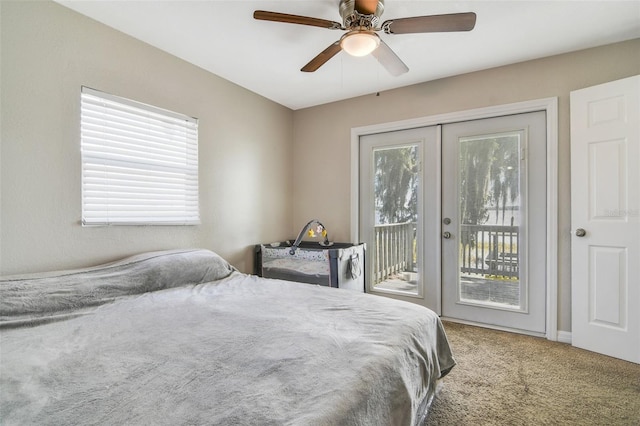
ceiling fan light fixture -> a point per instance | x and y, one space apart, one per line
360 43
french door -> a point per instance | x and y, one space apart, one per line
398 218
454 217
494 221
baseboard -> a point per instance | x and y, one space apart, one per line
493 327
564 336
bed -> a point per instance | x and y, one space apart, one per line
181 337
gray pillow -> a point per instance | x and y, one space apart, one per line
33 295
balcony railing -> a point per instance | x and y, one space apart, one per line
394 250
490 250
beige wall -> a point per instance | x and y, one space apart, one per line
322 134
245 144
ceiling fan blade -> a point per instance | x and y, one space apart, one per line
264 15
322 57
431 23
388 59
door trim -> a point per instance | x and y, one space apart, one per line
550 106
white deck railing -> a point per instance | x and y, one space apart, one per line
489 250
394 250
485 249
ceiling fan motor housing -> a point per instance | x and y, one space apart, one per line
363 14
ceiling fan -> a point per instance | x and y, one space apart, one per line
361 19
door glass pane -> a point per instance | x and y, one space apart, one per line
489 188
396 189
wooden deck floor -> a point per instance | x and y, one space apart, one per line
474 288
485 289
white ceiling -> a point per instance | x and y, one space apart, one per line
266 57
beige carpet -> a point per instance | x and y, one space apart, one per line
510 379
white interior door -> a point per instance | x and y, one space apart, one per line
605 216
494 221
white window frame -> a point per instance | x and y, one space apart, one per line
139 163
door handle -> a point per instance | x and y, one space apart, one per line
446 235
580 232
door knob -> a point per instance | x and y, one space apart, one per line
580 232
446 235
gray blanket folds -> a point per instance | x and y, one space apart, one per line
236 350
45 296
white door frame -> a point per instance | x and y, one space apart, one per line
550 106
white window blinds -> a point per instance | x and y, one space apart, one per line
139 163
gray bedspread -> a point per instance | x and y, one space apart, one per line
233 350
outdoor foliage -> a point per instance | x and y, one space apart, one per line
396 185
488 179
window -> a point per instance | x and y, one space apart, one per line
139 163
